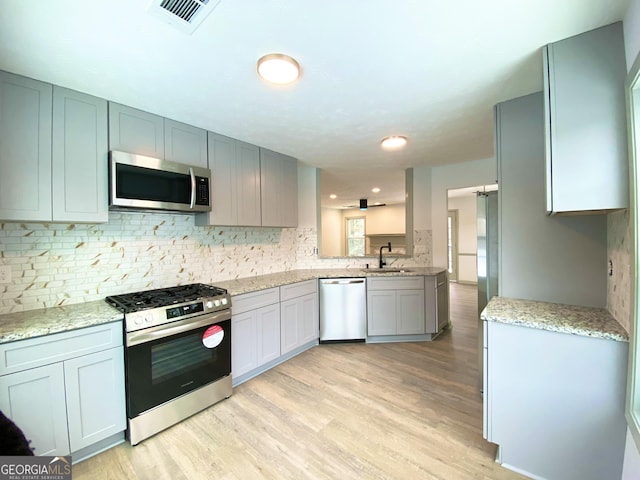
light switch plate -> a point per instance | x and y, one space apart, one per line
5 274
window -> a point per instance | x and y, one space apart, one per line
355 236
633 387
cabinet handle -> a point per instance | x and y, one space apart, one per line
193 188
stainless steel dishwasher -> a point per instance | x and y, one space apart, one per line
343 309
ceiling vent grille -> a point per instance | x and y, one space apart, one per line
186 15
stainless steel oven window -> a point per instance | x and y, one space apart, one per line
175 357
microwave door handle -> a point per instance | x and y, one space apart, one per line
193 188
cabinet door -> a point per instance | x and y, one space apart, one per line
442 299
185 144
585 119
35 401
244 353
222 163
430 304
278 189
290 324
135 131
268 333
247 193
381 312
410 313
310 322
95 397
80 154
25 148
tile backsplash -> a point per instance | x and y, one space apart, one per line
54 264
619 298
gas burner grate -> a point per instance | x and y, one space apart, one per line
162 297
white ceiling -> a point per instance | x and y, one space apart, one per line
430 70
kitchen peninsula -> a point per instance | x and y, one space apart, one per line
554 384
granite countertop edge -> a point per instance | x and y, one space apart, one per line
47 321
554 317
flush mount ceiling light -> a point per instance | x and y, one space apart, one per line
333 196
375 190
278 68
393 142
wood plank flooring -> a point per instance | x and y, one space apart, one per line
345 411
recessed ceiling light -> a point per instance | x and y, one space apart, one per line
333 196
375 190
393 142
278 68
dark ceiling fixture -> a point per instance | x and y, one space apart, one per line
364 204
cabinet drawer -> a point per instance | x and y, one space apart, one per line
395 283
251 301
299 289
36 352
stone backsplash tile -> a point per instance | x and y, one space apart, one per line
55 264
619 299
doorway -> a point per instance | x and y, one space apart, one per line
452 245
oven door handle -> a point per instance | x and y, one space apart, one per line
162 331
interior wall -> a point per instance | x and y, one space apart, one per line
447 177
467 237
332 232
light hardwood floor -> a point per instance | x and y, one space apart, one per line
345 411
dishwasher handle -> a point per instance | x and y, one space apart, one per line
342 282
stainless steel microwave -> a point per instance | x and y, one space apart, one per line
146 183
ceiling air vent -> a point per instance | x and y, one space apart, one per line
185 15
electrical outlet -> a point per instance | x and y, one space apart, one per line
5 274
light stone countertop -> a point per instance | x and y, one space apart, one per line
47 321
262 282
555 317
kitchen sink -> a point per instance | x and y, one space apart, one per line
386 270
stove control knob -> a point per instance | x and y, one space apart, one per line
209 304
224 301
216 303
138 321
148 318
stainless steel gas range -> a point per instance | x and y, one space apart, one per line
177 356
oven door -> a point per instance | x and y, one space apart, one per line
165 362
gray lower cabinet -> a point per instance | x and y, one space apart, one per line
25 148
79 157
235 188
395 306
555 419
436 289
585 122
278 189
66 391
299 315
255 324
35 401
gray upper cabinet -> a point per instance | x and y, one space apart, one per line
135 131
185 144
585 122
25 148
235 184
79 156
279 189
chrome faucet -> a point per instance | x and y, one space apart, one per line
382 262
